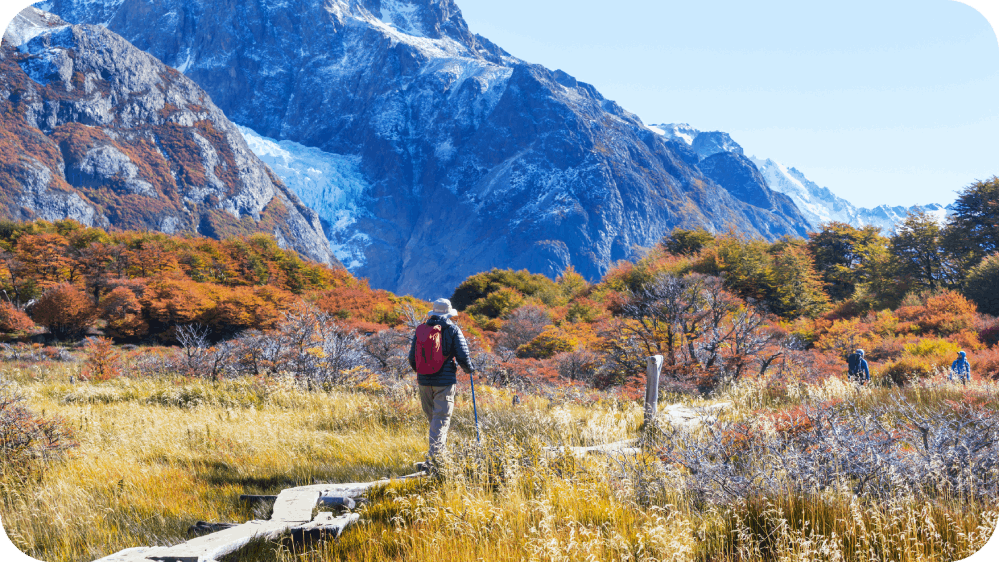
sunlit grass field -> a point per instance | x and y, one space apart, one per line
156 455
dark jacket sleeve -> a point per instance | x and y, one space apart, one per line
461 351
412 353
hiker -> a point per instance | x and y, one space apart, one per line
437 348
857 367
961 368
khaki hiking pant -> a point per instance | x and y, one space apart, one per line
438 405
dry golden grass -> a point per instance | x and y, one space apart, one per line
156 456
145 471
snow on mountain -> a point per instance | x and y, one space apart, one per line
30 24
818 204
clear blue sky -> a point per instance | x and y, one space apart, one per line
882 101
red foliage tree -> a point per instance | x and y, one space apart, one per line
123 313
13 320
65 310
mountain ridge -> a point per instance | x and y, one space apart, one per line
818 204
469 158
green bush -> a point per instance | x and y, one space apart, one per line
474 291
982 285
908 370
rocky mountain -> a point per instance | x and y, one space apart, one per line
817 204
448 155
94 129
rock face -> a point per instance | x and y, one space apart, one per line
817 204
459 156
96 130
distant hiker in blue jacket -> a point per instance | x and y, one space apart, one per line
961 368
857 367
437 349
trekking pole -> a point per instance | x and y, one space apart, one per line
474 409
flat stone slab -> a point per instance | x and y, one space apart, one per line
295 504
329 523
212 547
216 545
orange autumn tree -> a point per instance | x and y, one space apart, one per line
13 320
65 310
123 313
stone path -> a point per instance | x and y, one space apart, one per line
294 506
292 513
616 449
676 414
686 416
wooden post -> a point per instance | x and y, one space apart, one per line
654 366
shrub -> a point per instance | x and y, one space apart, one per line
887 349
523 374
989 335
579 365
943 314
908 370
481 286
985 364
307 342
523 325
967 340
27 441
582 310
548 343
876 451
65 311
103 361
13 320
845 336
932 348
497 303
687 242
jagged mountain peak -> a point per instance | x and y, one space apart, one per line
703 143
818 204
93 129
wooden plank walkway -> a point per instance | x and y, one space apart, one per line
292 513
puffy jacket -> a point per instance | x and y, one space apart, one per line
862 370
961 368
455 349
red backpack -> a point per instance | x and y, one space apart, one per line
429 349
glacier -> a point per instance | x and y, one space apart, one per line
330 184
